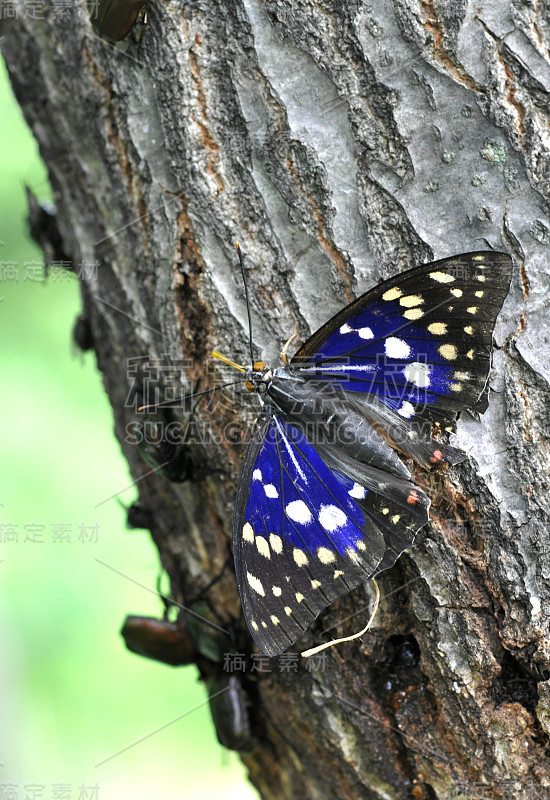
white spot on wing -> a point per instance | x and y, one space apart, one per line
346 328
257 475
276 590
357 491
418 373
396 348
271 491
299 512
365 333
331 518
406 410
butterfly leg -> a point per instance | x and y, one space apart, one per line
284 351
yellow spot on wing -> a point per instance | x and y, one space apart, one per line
455 387
480 294
392 294
248 532
288 611
276 543
457 292
352 554
315 584
299 557
470 355
263 547
299 597
447 351
274 619
255 584
413 313
472 310
441 277
325 555
396 519
411 300
438 328
469 330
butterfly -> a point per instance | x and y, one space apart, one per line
324 500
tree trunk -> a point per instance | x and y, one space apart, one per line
339 143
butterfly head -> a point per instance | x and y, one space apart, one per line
258 377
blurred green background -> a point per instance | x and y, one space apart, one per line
71 695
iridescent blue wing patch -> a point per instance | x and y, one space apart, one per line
305 533
419 342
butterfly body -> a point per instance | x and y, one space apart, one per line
326 416
324 500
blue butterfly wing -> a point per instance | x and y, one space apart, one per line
419 342
305 533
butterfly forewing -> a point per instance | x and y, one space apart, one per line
421 341
306 533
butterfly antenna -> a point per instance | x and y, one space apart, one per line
197 394
247 301
315 650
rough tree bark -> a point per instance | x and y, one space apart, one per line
339 143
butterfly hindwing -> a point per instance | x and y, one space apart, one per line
307 532
420 342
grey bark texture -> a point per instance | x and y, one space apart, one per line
339 143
